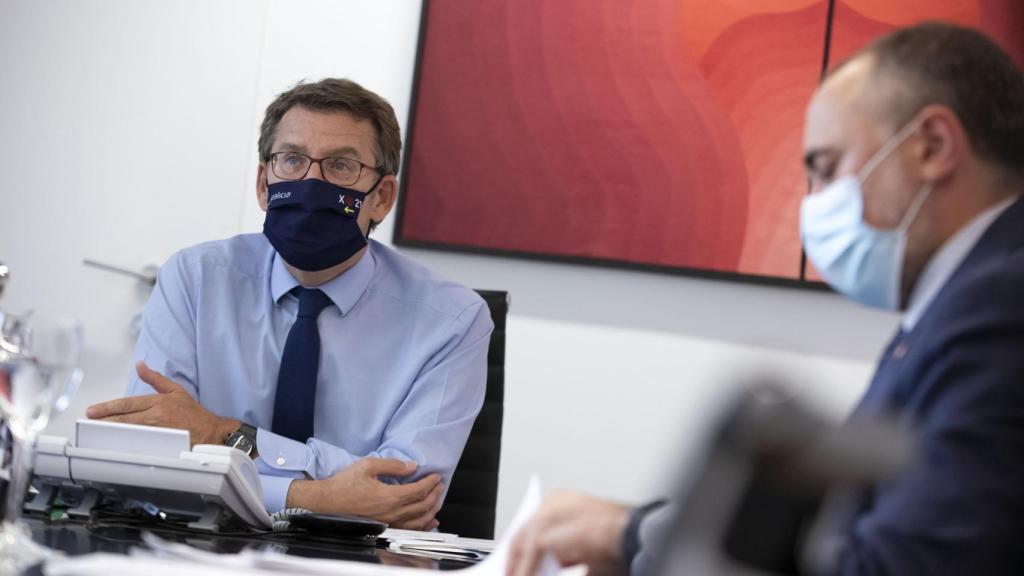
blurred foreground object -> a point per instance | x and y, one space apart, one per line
776 489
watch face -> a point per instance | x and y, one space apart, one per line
240 441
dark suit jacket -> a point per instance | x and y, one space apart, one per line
957 379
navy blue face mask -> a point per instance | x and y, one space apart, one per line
312 223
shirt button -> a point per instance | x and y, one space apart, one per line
280 461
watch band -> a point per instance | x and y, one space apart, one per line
248 430
244 435
631 544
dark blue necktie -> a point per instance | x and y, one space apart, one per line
300 362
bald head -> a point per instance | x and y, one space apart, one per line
956 67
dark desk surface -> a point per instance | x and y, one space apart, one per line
77 537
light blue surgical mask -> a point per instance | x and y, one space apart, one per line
859 261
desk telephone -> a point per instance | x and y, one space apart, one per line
214 486
211 487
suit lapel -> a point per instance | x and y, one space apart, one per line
888 392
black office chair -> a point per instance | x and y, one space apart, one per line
469 508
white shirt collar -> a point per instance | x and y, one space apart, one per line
946 261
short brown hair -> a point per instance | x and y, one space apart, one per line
961 68
339 95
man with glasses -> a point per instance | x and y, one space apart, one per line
351 374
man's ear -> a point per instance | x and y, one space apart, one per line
261 185
943 143
383 200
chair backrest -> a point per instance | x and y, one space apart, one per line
469 508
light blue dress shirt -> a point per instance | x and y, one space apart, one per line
403 358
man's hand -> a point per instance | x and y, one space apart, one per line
358 491
574 529
170 407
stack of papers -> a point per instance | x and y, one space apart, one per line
437 545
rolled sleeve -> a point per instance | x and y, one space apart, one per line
281 460
314 459
284 455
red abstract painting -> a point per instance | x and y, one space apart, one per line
663 134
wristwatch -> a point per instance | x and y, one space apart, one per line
244 439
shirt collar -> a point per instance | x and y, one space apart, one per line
344 290
946 261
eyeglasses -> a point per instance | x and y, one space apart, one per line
337 171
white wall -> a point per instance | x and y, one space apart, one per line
128 130
124 135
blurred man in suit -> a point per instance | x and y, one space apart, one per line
915 153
